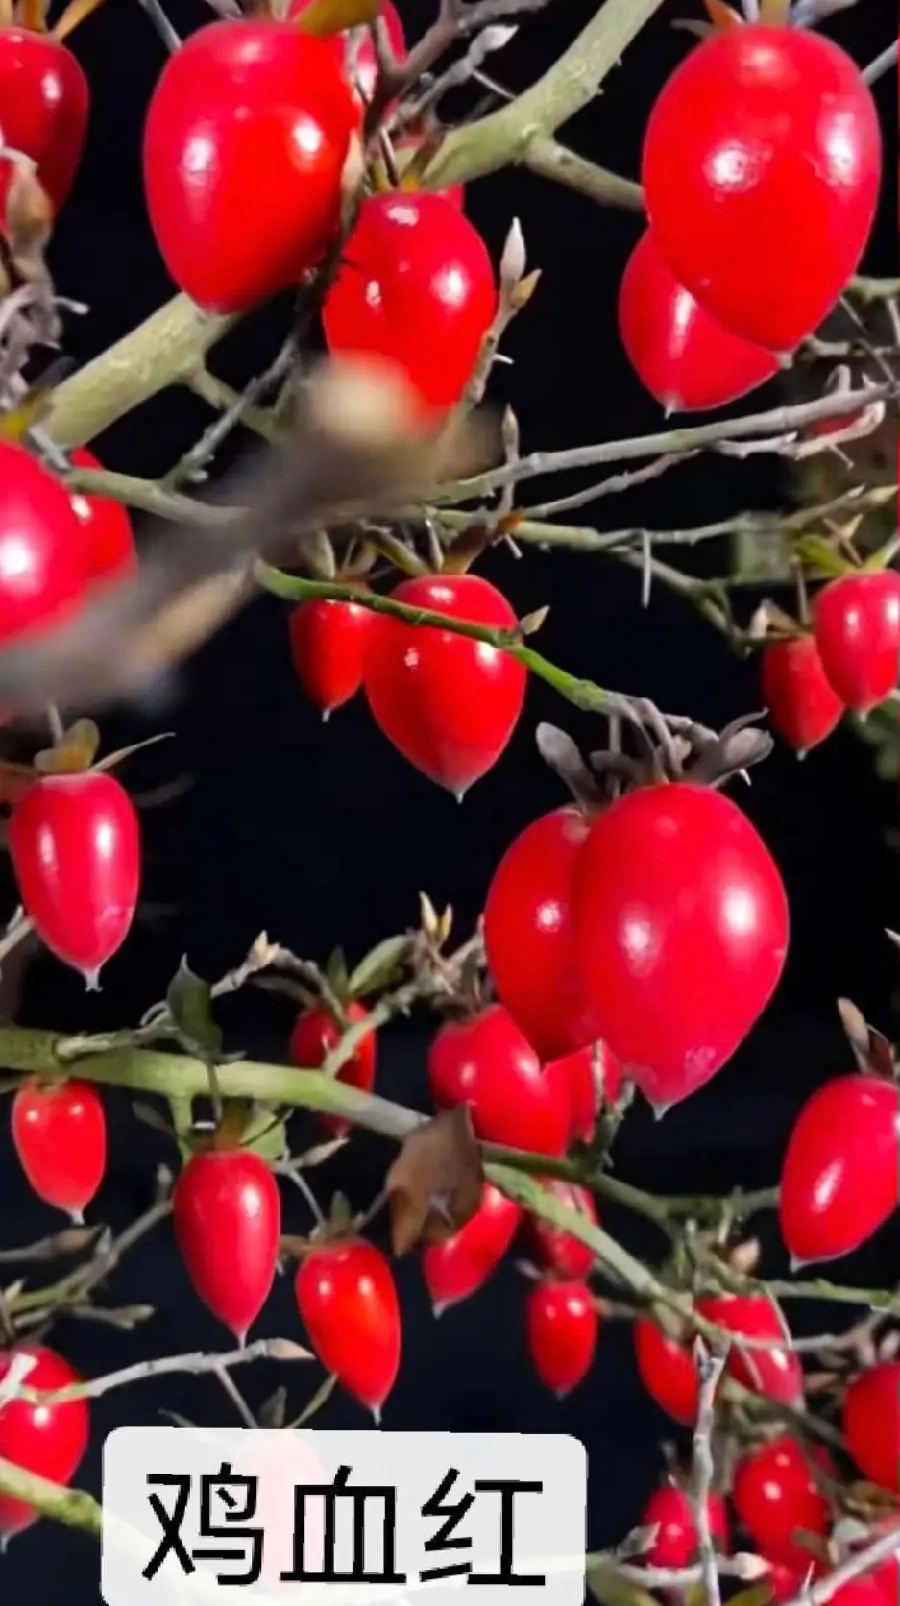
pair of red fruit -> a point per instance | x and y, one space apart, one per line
257 108
849 660
765 134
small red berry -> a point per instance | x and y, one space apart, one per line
44 101
528 935
667 1371
416 288
247 108
776 1497
76 853
111 552
871 1422
594 1076
560 1252
328 647
776 1373
687 360
681 932
676 1543
561 1328
59 1133
460 1265
43 547
348 1304
449 705
226 1212
803 707
839 1179
761 171
856 619
48 1440
486 1063
315 1034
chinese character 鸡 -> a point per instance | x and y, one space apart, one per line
237 1510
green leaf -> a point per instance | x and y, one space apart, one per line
266 1135
189 1002
272 1412
336 974
609 1588
379 968
322 1395
818 555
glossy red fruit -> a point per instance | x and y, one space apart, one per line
460 1265
529 941
44 102
111 552
676 1543
416 288
315 1034
857 625
76 852
43 549
328 647
348 1303
687 360
48 1440
839 1178
681 933
886 1576
226 1211
59 1134
449 705
859 1592
871 1422
803 706
559 1252
761 170
777 1373
356 58
775 1495
486 1063
246 108
594 1076
561 1328
787 1582
667 1371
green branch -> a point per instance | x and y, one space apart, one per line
72 1507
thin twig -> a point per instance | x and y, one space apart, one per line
196 1364
710 1366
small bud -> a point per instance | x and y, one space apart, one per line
522 293
284 1349
532 622
429 917
512 262
749 1568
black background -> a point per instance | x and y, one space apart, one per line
320 834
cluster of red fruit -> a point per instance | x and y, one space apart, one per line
259 109
761 170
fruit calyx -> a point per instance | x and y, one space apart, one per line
873 1053
675 749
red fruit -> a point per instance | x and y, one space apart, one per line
417 288
59 1134
676 1543
404 152
245 109
47 1440
44 101
871 1422
315 1034
107 526
357 59
449 705
839 1179
886 1576
761 169
528 935
681 933
226 1211
460 1265
561 1252
857 626
328 644
486 1063
43 550
348 1303
776 1496
667 1371
859 1592
803 707
687 360
777 1373
787 1582
594 1076
561 1328
76 853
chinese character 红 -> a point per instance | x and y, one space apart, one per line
453 1513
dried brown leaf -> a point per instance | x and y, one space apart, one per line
434 1186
